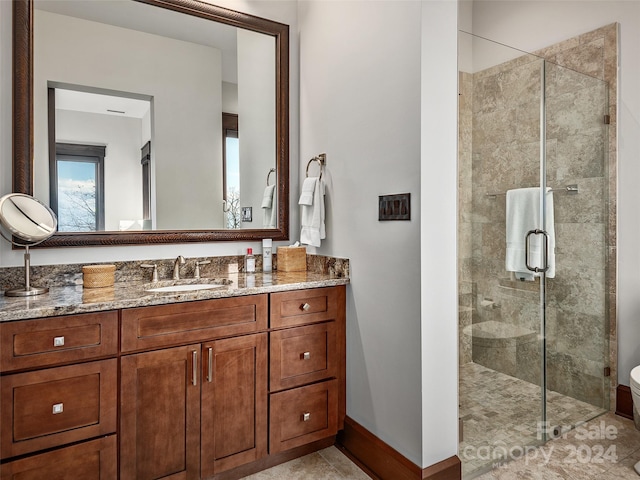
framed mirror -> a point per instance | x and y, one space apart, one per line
182 183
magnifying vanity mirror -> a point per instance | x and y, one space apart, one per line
151 121
30 221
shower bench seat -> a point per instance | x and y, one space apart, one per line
504 347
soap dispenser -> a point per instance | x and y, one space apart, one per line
267 257
249 262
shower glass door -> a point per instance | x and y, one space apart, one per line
501 337
526 127
577 331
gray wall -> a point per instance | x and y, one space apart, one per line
359 91
378 95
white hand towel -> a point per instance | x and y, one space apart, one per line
269 217
312 218
523 215
308 188
267 198
268 212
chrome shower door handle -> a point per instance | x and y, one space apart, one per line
526 250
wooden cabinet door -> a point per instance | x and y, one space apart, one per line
234 402
160 414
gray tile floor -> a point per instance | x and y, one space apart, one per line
327 464
501 413
500 418
606 448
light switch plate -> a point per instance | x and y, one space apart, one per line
394 207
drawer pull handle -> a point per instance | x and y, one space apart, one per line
210 372
305 356
306 417
305 307
194 359
58 408
58 341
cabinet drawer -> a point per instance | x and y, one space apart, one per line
180 323
303 415
303 306
303 355
94 460
57 340
48 408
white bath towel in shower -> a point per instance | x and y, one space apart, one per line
268 210
523 215
312 215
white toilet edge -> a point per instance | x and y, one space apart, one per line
634 379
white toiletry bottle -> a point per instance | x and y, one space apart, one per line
266 254
249 262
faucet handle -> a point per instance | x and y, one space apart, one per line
154 275
196 273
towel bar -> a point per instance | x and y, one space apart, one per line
568 189
269 174
321 159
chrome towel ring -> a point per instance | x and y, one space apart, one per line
269 174
321 159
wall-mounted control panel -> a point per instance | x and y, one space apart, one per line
394 207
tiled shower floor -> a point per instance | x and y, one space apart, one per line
500 414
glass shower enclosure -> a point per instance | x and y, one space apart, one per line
532 252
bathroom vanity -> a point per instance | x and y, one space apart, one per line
214 383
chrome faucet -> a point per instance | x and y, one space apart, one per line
176 267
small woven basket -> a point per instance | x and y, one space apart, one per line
97 276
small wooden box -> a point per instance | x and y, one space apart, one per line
292 259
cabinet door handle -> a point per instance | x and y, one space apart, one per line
210 367
57 408
305 356
306 416
194 360
305 307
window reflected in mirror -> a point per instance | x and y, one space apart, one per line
77 193
231 169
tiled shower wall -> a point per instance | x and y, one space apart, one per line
499 150
465 177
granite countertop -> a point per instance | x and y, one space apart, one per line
64 300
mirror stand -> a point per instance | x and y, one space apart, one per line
27 290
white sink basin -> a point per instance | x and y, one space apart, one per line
185 288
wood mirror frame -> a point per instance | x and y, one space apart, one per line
23 29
